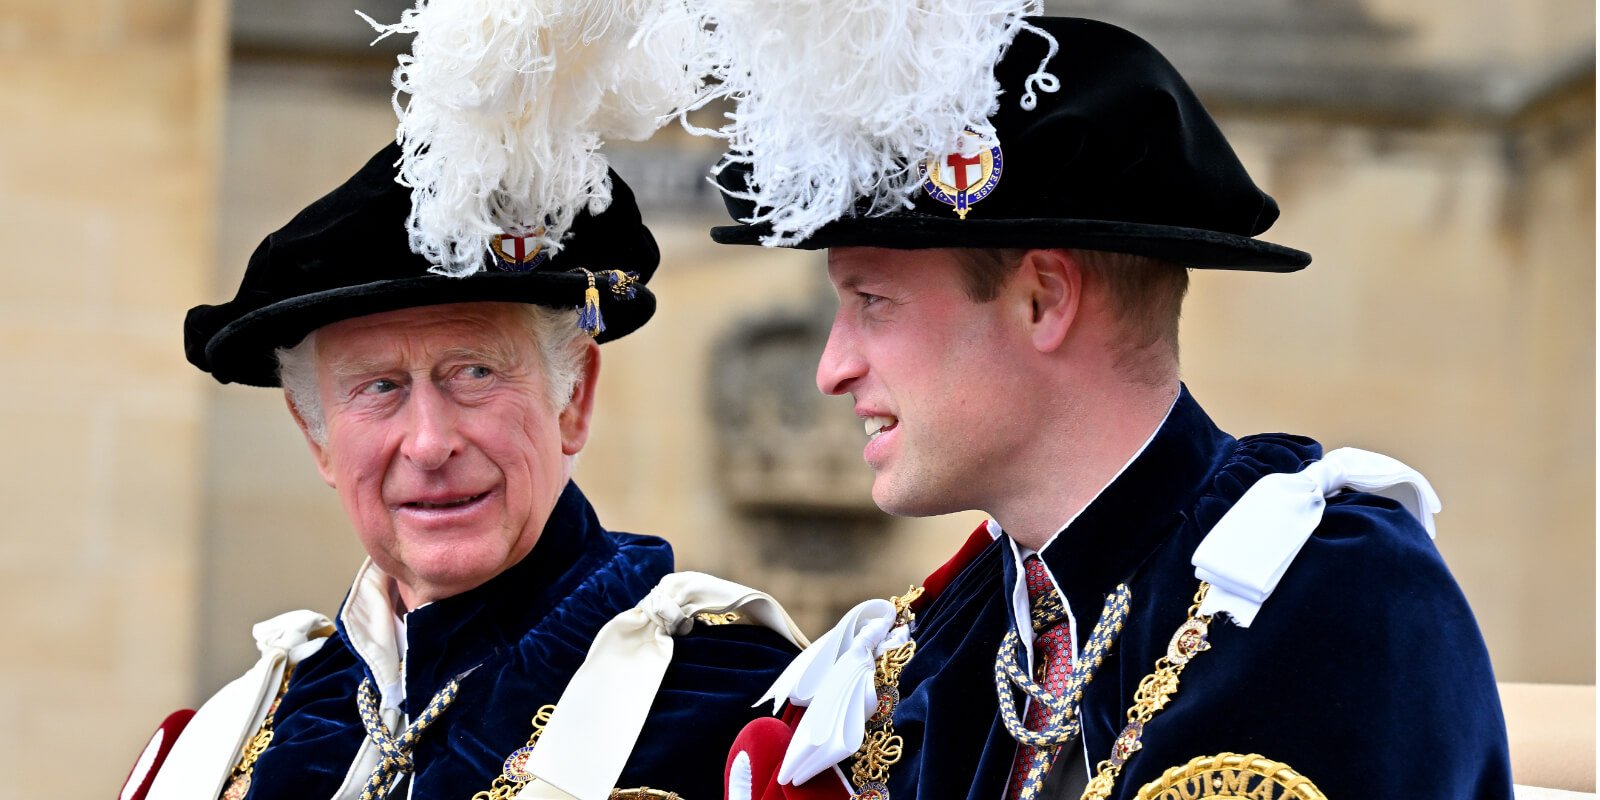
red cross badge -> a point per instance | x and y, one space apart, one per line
961 180
518 253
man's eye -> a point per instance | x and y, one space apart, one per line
868 300
380 386
476 372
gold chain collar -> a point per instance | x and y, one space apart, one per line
1153 694
881 747
239 780
514 773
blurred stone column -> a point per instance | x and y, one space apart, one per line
107 162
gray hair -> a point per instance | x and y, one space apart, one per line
562 345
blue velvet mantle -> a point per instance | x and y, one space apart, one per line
522 635
1364 671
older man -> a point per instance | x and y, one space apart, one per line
1009 334
491 643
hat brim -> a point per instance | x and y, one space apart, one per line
1188 246
242 350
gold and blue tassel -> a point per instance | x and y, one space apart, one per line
589 317
623 287
622 284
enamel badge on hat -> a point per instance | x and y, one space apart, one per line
962 178
907 89
506 107
519 253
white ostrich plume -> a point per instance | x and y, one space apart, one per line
838 101
509 103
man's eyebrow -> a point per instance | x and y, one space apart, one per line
496 355
351 367
849 283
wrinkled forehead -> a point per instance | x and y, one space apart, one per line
418 337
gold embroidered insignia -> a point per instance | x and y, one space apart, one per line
1230 776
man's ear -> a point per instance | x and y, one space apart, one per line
319 451
575 416
1051 282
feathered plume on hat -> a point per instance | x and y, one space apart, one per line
509 103
838 102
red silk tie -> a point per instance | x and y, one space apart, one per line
1052 658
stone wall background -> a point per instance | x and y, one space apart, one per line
1436 157
109 152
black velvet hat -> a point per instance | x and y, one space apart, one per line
1123 157
348 255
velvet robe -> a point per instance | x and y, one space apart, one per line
1364 671
522 635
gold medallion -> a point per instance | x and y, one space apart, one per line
1127 743
238 788
1230 776
516 766
1188 642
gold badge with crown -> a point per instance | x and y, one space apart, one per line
960 180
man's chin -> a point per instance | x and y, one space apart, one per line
908 501
430 581
445 565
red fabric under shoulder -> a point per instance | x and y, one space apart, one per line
154 754
756 755
936 583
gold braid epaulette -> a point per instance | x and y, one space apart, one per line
881 747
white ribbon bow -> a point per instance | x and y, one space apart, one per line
834 678
598 718
1246 554
199 763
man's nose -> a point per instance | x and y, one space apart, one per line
841 363
434 434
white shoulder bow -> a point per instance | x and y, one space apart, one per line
209 745
834 679
598 718
1251 547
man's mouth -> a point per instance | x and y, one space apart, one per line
445 504
877 425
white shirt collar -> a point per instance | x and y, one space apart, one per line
377 631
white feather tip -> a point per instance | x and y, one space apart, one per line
508 104
839 102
